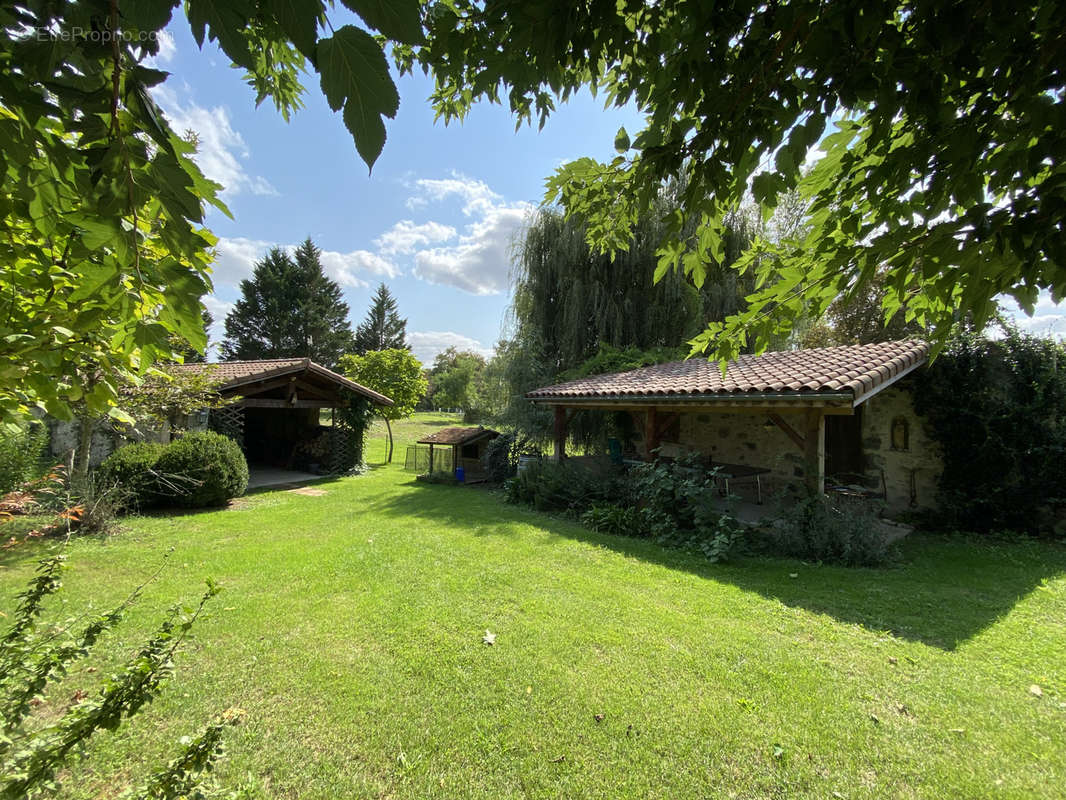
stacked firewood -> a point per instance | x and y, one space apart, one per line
313 449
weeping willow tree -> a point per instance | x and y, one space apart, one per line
569 301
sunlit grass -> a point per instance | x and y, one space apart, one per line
351 631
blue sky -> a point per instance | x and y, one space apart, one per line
436 219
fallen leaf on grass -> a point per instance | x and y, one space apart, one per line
1036 691
598 717
559 760
489 637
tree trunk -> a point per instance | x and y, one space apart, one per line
389 428
85 443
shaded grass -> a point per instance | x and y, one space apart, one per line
351 625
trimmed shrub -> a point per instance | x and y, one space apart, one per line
21 456
202 469
845 533
132 469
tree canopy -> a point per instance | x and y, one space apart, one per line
102 239
395 373
289 308
382 329
942 169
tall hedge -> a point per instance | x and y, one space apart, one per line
998 409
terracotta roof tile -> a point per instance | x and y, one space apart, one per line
234 374
855 368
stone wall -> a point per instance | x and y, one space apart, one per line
899 443
107 437
910 461
746 439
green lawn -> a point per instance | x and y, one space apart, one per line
406 432
351 632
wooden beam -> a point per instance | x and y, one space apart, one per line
651 431
814 451
271 402
430 458
790 432
561 420
665 421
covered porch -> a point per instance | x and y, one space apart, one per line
781 421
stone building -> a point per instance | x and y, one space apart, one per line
835 418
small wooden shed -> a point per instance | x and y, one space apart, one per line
467 447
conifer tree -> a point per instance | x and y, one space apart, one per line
382 329
289 308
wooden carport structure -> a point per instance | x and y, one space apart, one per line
796 390
277 405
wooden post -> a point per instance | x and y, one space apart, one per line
560 434
814 451
430 472
651 431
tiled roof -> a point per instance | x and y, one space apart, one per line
238 373
457 435
858 369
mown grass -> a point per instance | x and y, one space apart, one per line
406 432
351 627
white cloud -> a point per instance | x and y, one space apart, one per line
1049 318
222 149
480 262
427 345
219 309
168 48
235 259
476 195
345 268
405 236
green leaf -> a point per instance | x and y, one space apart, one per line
356 76
621 140
299 20
399 20
225 21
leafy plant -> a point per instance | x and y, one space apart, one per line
202 469
846 533
615 520
22 451
34 660
679 508
569 487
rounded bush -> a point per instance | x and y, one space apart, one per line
202 469
132 468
